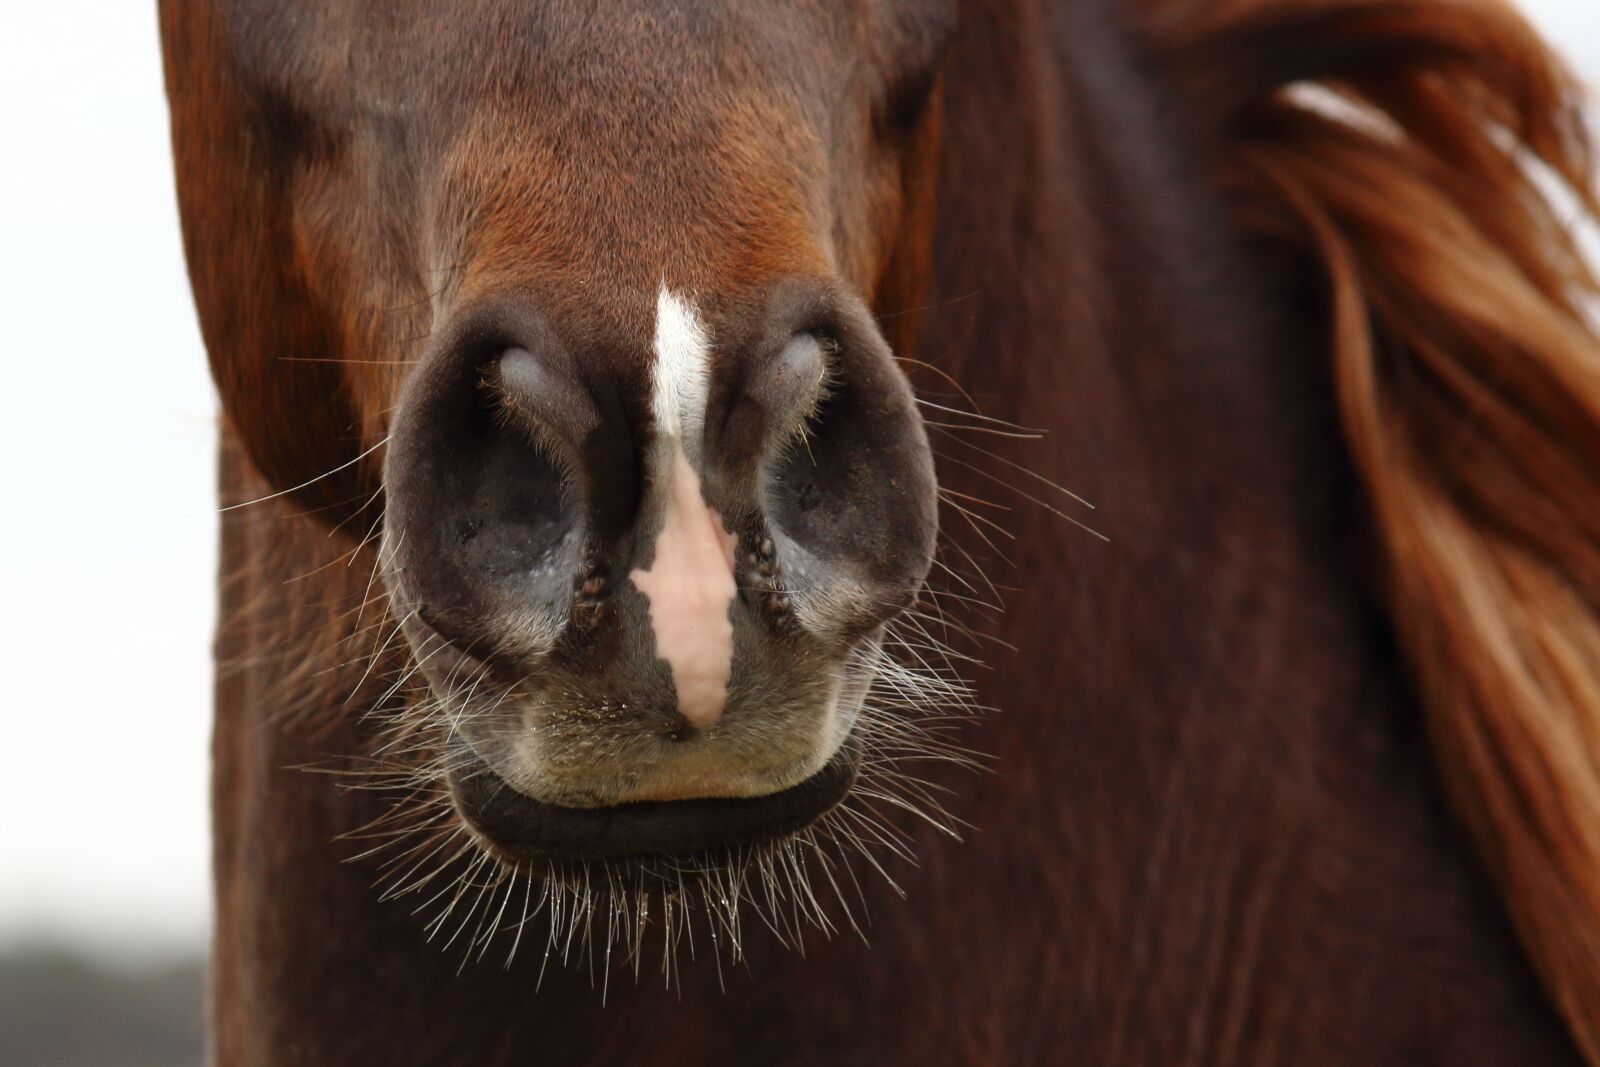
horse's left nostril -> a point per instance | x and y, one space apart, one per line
846 485
777 397
791 384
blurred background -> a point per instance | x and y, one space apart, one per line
107 431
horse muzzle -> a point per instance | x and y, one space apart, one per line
645 571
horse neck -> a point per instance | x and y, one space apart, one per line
1096 290
1208 707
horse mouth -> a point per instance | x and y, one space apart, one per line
524 829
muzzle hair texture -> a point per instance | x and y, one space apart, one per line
475 900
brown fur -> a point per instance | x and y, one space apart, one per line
1469 385
1213 836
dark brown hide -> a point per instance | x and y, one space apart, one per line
1211 837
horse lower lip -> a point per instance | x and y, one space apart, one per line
525 828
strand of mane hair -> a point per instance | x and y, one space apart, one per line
1424 162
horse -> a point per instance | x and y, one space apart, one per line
996 531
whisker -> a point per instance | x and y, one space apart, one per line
347 464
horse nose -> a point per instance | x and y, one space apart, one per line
663 526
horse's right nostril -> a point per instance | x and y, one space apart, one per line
539 397
485 491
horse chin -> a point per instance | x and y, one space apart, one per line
521 830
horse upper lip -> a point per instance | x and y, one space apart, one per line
526 828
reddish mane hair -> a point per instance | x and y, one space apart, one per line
1414 181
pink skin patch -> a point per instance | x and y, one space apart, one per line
690 585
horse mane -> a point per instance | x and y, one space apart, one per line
1422 163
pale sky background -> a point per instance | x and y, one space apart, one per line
107 431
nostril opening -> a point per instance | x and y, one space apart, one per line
538 394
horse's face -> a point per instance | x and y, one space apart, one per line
655 483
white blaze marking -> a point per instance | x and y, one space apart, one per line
690 583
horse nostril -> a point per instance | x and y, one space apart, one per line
487 492
776 399
539 397
792 383
847 486
521 378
